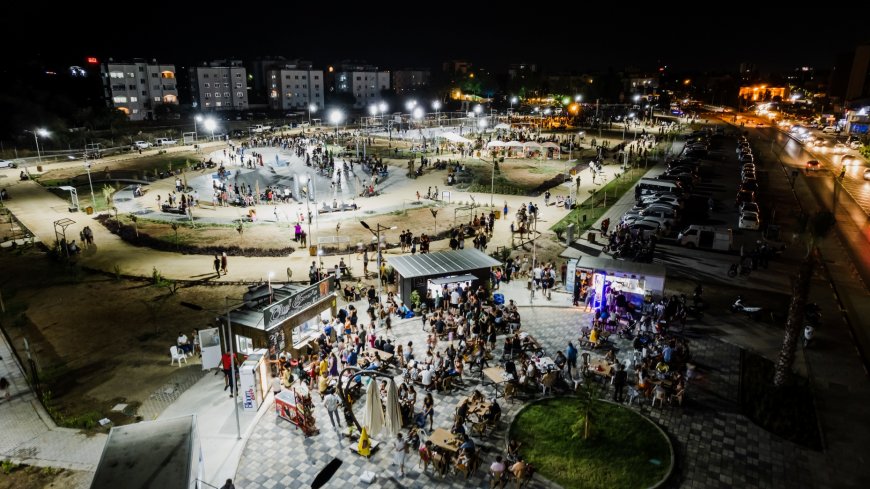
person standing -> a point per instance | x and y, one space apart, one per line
228 485
619 379
429 409
400 450
224 262
217 265
331 402
571 354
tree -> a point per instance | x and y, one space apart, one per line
819 226
588 395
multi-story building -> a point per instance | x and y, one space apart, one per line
219 85
409 80
364 82
137 88
295 85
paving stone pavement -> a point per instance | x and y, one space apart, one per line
178 382
715 446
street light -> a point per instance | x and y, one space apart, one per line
312 108
437 106
197 118
304 180
210 125
90 182
578 98
335 117
36 133
377 234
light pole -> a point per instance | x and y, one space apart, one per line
36 133
271 274
210 126
312 108
437 106
335 117
196 118
91 183
305 180
377 234
513 100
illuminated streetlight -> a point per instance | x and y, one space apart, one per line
197 118
36 133
312 108
578 98
478 109
210 125
335 117
410 104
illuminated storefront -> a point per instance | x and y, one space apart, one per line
639 282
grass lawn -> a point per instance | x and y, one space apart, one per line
625 450
595 205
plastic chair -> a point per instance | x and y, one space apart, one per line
177 356
633 394
548 381
659 395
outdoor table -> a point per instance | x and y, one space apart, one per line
601 368
497 376
446 440
546 364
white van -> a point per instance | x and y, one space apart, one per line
164 142
649 186
706 237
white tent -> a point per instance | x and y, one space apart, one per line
496 144
531 144
502 126
514 144
374 413
550 144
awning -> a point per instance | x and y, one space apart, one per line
531 144
441 263
455 138
550 144
495 144
502 126
514 144
452 279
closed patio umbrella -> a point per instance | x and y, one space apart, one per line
374 413
393 419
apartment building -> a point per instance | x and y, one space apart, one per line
364 82
219 85
295 86
137 88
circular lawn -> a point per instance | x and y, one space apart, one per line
624 449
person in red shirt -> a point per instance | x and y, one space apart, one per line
226 365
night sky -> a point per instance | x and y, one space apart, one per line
557 39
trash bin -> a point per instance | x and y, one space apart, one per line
591 237
497 214
312 250
89 210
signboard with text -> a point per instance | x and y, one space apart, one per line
279 311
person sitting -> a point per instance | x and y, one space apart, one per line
74 248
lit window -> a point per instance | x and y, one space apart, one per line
157 99
116 74
131 75
119 100
217 104
238 85
240 94
134 99
206 84
167 74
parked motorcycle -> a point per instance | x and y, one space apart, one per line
738 268
809 332
751 311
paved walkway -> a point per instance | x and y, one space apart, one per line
28 435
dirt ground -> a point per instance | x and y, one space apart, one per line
98 341
27 477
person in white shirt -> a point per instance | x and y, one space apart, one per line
496 470
183 343
426 378
330 402
276 385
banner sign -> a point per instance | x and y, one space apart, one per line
286 307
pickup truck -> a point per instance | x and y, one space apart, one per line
261 128
141 145
164 142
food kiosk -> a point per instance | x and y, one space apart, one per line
639 282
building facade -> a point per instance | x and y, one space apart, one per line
138 88
364 82
409 80
295 87
219 85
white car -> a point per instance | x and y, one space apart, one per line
749 220
165 142
855 145
670 201
830 130
646 228
141 145
7 164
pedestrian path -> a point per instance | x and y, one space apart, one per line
29 436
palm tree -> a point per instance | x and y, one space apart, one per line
820 225
589 394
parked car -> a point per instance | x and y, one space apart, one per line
165 142
830 130
855 144
749 220
7 164
744 196
813 165
141 145
751 185
750 207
